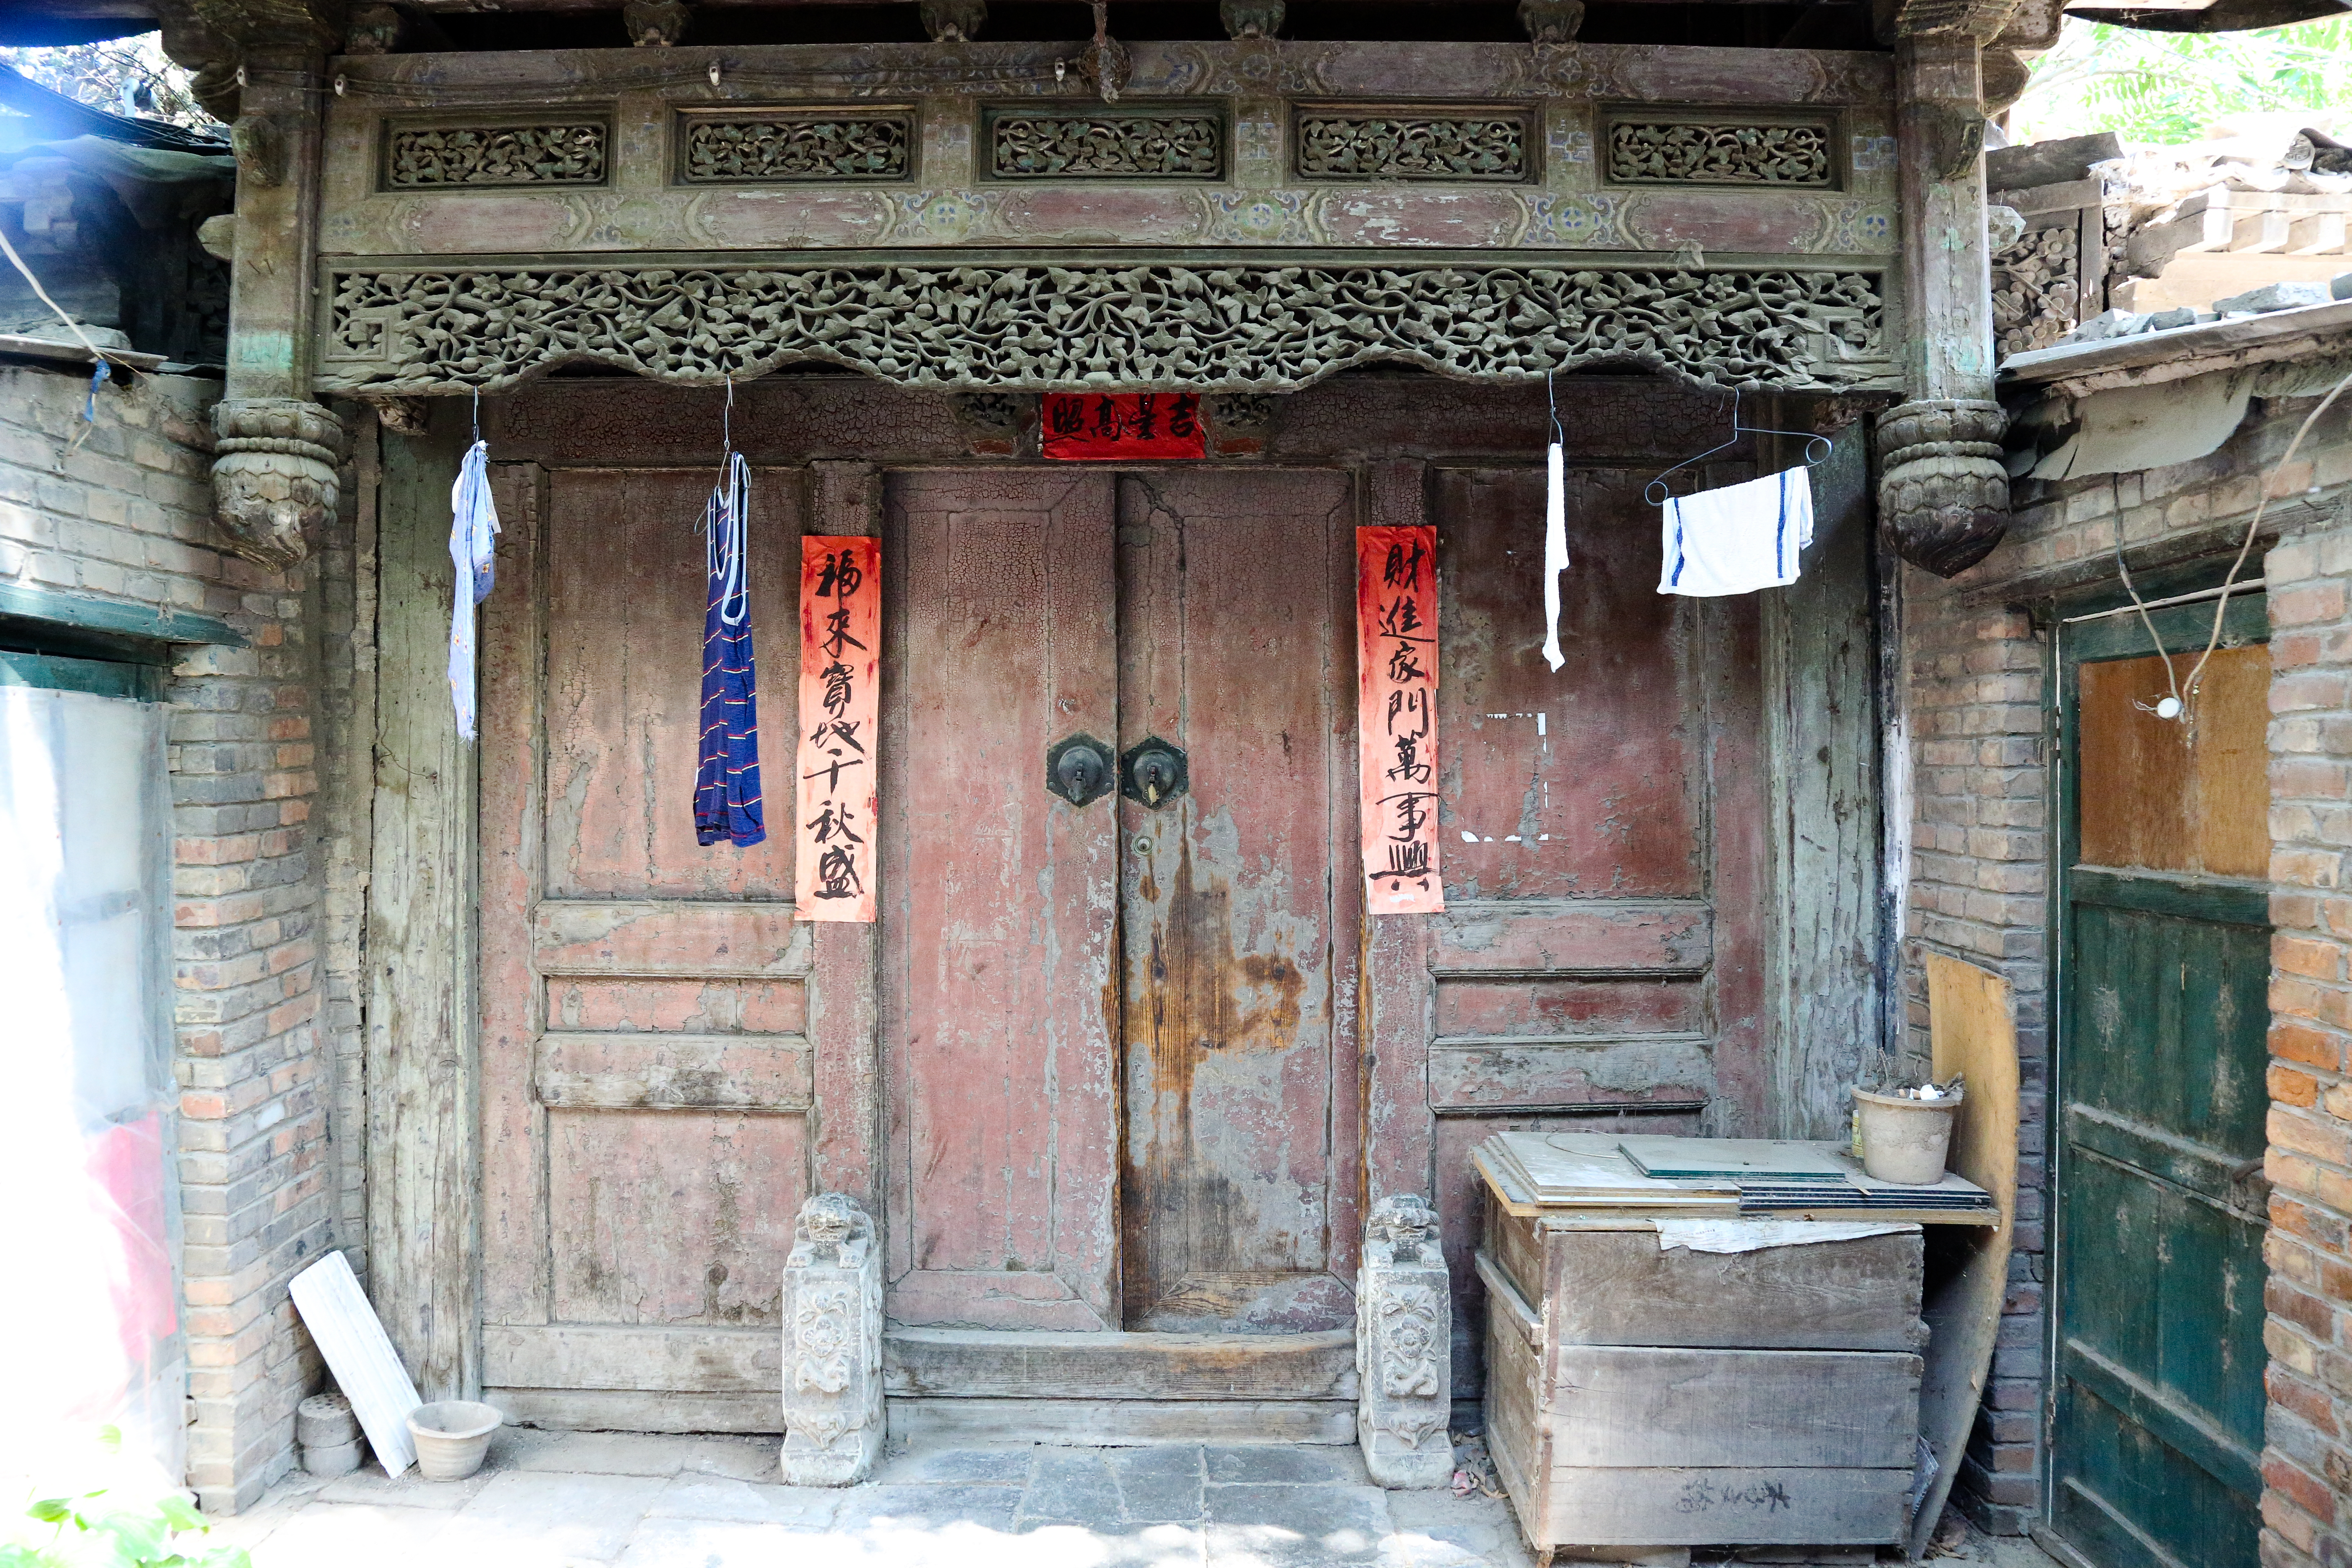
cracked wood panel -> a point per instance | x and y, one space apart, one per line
1239 901
646 1078
999 993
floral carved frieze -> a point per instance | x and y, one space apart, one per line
1106 145
1700 152
398 331
791 147
1395 146
2036 288
438 157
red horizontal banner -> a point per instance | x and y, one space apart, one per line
1093 427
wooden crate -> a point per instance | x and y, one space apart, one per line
1640 1397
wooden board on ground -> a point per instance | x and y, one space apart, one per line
1971 1030
358 1352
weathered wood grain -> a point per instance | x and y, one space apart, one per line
999 924
1821 734
1125 1423
659 1360
1618 1287
666 1218
1585 937
1760 1506
423 1046
1620 1407
967 1362
587 936
676 1005
1496 1075
514 1003
671 1072
639 1410
1235 597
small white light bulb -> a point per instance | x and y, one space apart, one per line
2167 707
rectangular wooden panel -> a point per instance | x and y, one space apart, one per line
1594 938
1760 1506
693 1006
627 589
1618 1407
711 1360
1235 648
670 1072
1620 1288
1506 1075
1396 717
841 703
998 992
1589 782
1565 1007
2165 794
672 1216
670 938
1028 1365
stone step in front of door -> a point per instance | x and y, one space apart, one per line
1120 1388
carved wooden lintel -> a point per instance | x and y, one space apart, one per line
1404 1337
1942 490
833 1345
274 479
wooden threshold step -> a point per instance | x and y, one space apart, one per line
988 1364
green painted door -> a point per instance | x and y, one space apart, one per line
2164 957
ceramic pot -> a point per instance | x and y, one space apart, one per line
452 1437
1904 1140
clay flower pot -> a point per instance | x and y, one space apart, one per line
452 1437
1904 1141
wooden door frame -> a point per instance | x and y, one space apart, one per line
2120 628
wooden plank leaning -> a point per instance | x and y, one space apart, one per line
360 1354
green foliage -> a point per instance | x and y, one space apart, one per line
92 1530
2175 86
125 76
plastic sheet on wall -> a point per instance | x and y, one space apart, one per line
89 1204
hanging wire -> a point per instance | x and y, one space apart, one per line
723 520
1817 451
1558 434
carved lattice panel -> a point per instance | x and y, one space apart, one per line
392 332
794 147
445 156
1356 144
1155 143
1659 149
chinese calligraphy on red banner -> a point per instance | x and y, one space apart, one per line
1084 426
1396 722
840 710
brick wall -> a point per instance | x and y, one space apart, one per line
126 516
1979 887
2307 1464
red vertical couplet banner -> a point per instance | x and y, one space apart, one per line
1396 722
840 719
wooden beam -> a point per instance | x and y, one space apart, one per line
424 1233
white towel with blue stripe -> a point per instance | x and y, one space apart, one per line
1739 538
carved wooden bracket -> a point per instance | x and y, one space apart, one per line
274 481
1942 490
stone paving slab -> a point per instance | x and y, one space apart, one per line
547 1499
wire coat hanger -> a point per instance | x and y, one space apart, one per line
1656 491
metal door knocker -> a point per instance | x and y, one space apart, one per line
1079 769
1153 772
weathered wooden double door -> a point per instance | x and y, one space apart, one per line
1117 1038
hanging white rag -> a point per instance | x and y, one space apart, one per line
1739 538
473 523
1555 554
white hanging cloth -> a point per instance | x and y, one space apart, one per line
473 524
1555 560
1737 539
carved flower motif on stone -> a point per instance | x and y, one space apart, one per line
827 1334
